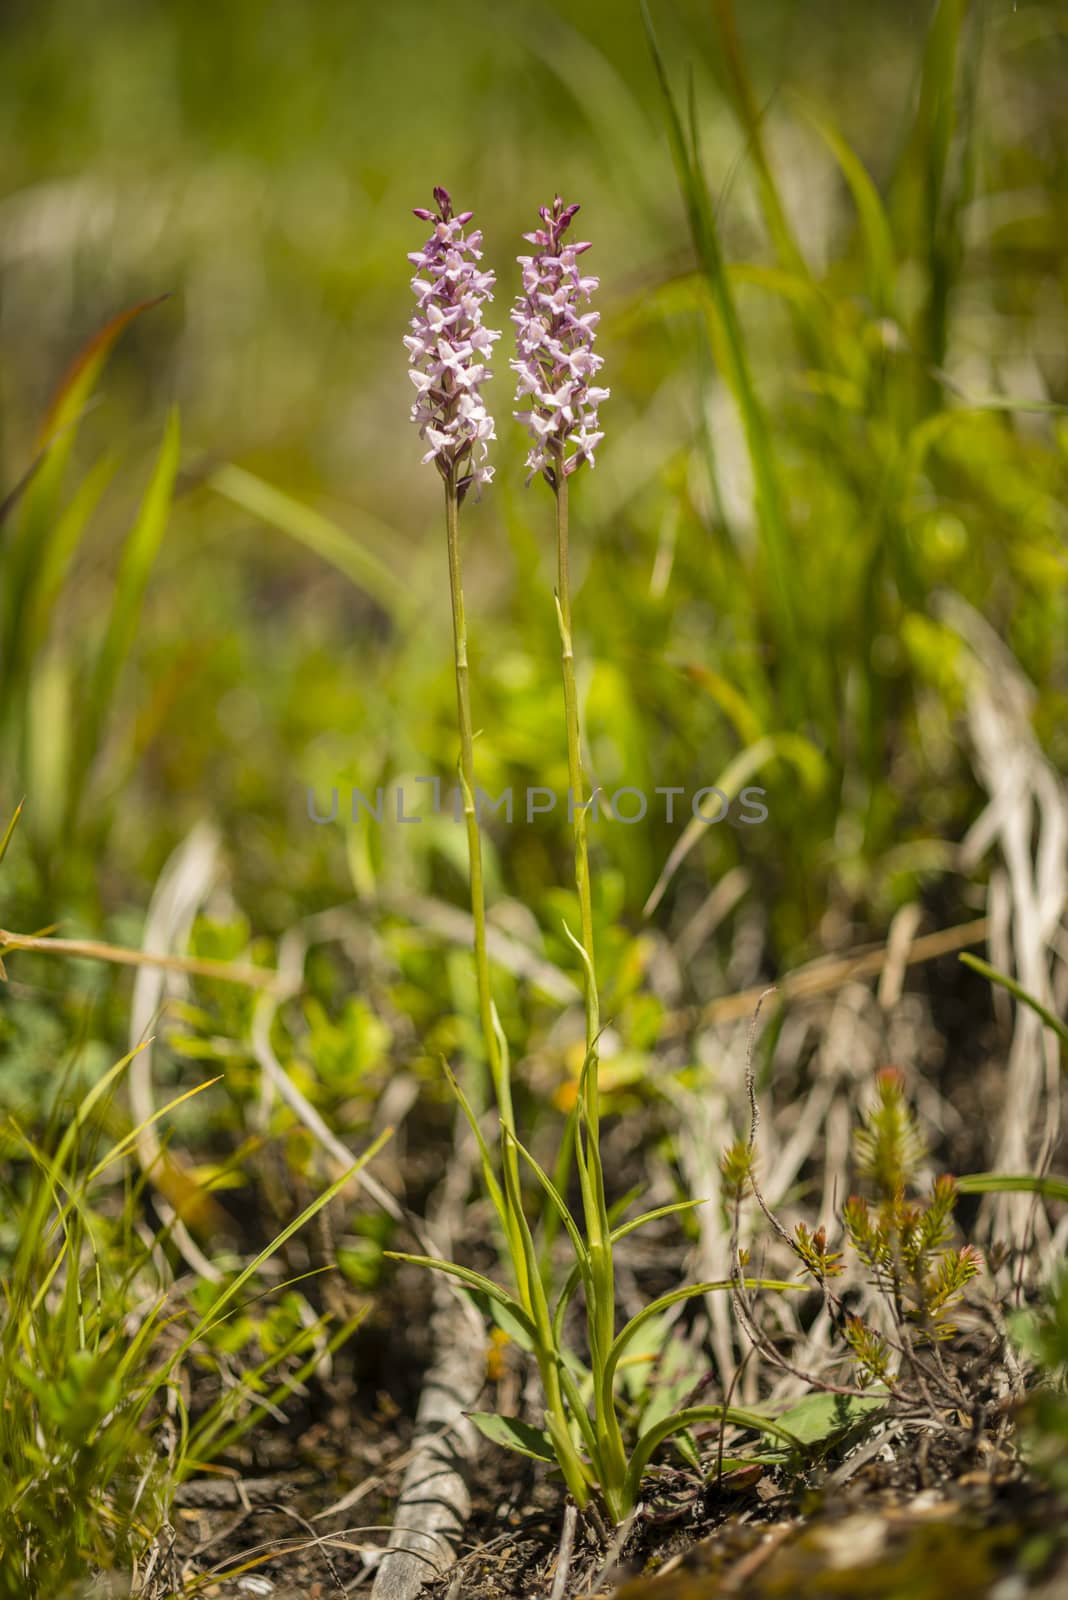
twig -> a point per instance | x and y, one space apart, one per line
824 975
119 955
567 1546
608 1572
742 1306
287 983
434 1499
755 1559
182 888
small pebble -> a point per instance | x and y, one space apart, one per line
1014 1587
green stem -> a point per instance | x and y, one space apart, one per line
601 1311
575 1474
576 785
501 1085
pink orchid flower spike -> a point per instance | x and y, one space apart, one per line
448 348
555 356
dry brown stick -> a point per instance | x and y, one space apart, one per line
825 975
434 1502
611 1565
751 1563
224 1493
564 1554
93 950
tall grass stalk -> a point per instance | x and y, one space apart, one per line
770 502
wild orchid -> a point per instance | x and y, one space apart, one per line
448 346
555 361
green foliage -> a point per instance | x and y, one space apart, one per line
56 696
898 1239
514 1434
816 1419
870 1350
94 1434
889 1146
582 1400
812 1249
1042 1335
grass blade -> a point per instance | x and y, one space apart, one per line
473 1280
680 1421
212 1318
9 831
690 1292
40 488
705 234
1051 1188
131 582
315 531
1006 982
874 224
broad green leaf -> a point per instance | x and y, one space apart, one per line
514 1435
816 1417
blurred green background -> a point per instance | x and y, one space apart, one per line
887 186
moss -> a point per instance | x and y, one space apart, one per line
932 1562
958 1559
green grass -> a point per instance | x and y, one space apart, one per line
95 1431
